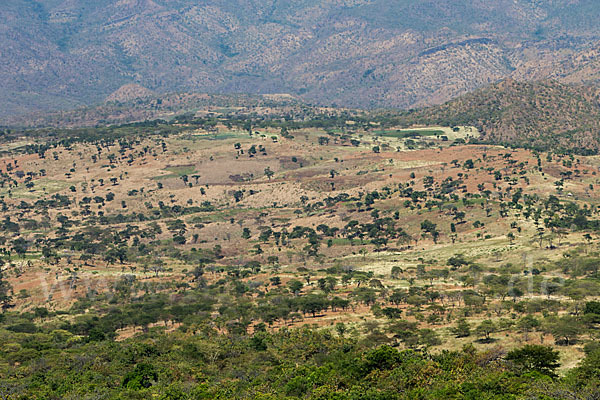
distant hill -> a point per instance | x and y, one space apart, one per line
129 92
63 54
136 104
546 115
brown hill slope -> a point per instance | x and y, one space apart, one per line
129 92
132 104
546 115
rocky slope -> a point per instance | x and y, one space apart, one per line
363 53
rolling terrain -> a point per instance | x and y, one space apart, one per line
244 255
539 115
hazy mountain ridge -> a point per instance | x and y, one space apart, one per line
136 104
64 53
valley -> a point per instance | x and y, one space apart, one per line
226 228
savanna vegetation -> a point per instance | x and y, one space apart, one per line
332 255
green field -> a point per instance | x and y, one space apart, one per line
41 188
217 136
402 134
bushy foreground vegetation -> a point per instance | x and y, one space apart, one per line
290 364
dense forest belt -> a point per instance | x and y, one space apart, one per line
290 364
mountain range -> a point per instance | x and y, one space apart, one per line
62 54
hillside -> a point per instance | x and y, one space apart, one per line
264 257
545 115
136 104
62 54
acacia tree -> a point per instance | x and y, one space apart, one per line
314 304
269 173
157 267
486 328
535 358
527 324
462 329
511 237
429 227
197 273
5 291
295 286
396 272
565 330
